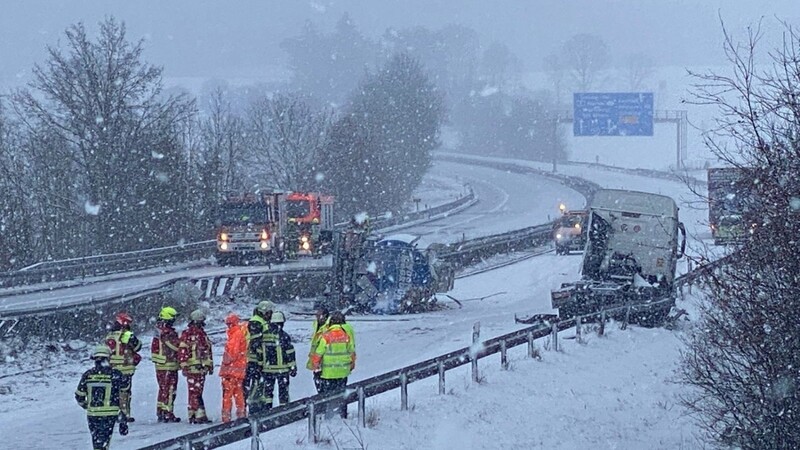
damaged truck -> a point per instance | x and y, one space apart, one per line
634 242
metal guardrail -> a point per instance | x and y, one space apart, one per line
307 408
87 266
90 266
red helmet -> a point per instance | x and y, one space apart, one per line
124 319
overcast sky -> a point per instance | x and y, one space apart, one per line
240 38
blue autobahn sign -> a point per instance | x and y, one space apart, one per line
613 114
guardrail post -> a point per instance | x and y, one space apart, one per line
602 328
554 332
187 445
441 378
253 434
403 392
627 318
476 337
531 352
362 407
503 355
578 331
312 423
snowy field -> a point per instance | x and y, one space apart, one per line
612 392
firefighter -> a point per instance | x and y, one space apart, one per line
232 370
196 363
318 327
281 360
125 347
258 331
335 358
164 354
99 394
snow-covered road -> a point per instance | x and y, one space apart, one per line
605 394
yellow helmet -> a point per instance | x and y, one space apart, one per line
167 313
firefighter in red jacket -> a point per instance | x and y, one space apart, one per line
196 362
125 347
164 354
232 370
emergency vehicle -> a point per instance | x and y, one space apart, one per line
249 228
309 224
569 231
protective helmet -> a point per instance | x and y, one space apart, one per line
197 316
232 319
101 351
278 317
124 319
167 313
265 306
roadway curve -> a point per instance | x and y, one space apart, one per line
491 298
506 202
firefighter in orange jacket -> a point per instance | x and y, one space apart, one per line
335 358
232 371
196 362
125 347
164 354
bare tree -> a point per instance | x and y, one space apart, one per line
105 103
742 358
585 55
499 65
638 68
556 72
287 136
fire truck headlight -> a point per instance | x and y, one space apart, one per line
223 236
577 226
264 235
264 245
304 238
558 236
305 245
223 246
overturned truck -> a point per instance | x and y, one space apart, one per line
630 257
386 275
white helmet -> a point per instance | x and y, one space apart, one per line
197 316
265 306
278 317
101 351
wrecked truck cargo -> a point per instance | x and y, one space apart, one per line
630 258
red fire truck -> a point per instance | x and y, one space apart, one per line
309 224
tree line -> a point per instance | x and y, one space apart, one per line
96 156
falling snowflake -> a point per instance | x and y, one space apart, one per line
156 155
794 203
91 208
319 177
360 218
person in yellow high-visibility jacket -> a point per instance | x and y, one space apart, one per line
318 327
335 358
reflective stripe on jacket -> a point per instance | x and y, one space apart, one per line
124 351
195 350
316 334
280 355
256 327
98 392
234 359
335 354
164 349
